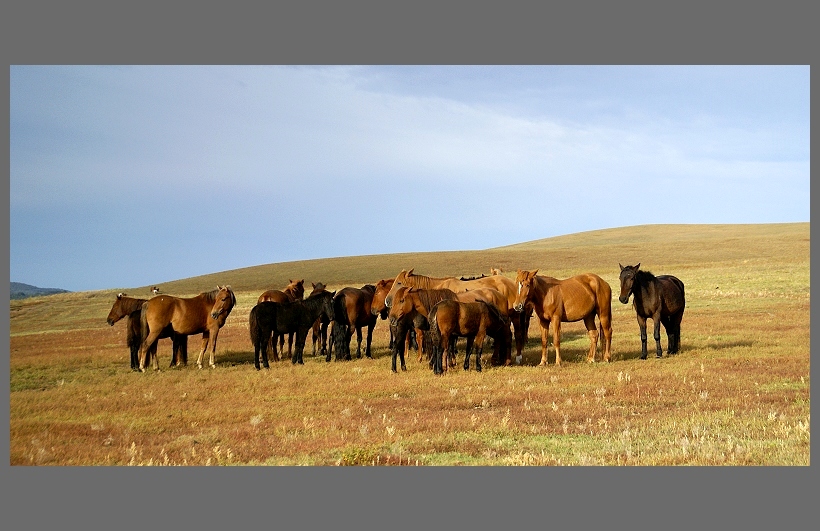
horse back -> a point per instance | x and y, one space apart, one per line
672 293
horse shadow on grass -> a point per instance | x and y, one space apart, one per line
634 354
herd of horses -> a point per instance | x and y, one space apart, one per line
425 313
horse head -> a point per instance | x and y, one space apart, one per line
524 281
402 305
224 303
117 310
378 305
627 278
296 288
400 281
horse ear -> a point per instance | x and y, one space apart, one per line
532 275
638 266
411 271
619 265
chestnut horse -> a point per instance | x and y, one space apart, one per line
352 310
130 307
581 297
378 307
294 291
295 317
500 283
660 298
473 320
206 314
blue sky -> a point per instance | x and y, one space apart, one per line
125 176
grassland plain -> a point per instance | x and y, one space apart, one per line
737 394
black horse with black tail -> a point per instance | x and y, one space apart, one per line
660 298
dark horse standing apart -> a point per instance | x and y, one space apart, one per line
131 307
660 298
295 317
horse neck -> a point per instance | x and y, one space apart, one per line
313 306
429 297
643 280
130 305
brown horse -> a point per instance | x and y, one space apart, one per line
660 298
378 307
411 300
502 284
130 307
294 291
473 320
581 297
319 332
352 310
206 314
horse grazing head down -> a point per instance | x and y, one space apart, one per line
224 302
523 282
627 278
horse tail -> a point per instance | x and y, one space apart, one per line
253 324
338 338
143 322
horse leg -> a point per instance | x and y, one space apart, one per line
146 349
290 341
642 325
478 344
301 339
592 331
205 339
369 340
556 341
519 334
545 330
274 337
358 341
656 321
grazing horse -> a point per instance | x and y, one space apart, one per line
660 298
294 291
155 290
130 307
352 310
473 320
581 297
319 333
295 317
206 314
501 283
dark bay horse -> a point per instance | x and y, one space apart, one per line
581 297
660 298
502 284
473 320
352 310
204 314
409 300
295 317
319 332
294 291
130 308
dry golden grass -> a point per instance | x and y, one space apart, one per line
737 394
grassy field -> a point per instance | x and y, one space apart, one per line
737 394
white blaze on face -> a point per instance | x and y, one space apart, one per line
519 288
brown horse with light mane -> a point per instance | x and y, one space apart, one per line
204 314
378 307
581 297
131 307
502 284
294 291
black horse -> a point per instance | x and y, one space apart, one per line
285 318
660 298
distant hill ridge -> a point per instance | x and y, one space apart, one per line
22 291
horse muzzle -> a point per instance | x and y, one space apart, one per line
519 308
624 299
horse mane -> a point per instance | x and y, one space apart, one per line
370 288
429 297
210 296
131 305
642 277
